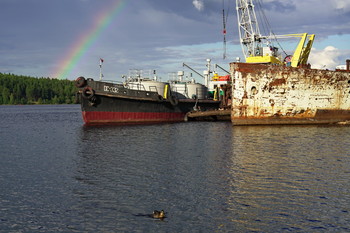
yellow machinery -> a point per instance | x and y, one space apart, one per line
252 41
300 56
302 52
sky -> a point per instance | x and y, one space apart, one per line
66 38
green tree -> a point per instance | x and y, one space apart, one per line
16 89
5 95
12 99
30 95
55 100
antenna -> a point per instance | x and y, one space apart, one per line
224 32
224 21
101 75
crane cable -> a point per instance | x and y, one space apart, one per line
266 21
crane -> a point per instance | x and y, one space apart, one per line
218 66
185 65
258 48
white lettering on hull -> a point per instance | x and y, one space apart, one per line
111 89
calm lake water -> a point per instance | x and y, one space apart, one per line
57 175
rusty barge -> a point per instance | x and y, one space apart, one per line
267 94
273 88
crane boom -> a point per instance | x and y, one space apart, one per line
216 65
183 64
248 28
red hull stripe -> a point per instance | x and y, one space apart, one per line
130 117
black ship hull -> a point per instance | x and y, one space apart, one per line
108 103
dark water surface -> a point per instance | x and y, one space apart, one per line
57 175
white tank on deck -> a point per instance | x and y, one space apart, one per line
148 85
180 90
197 90
189 90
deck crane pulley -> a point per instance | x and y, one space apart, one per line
258 48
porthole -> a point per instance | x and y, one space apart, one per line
254 91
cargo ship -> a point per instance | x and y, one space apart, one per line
270 88
141 99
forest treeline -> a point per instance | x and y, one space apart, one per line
18 89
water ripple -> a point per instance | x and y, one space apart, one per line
57 175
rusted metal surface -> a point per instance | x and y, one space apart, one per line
270 94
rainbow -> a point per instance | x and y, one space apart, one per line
86 40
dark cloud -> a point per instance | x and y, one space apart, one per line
280 6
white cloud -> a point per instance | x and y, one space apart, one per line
198 4
327 58
342 5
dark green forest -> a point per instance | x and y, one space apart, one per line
18 89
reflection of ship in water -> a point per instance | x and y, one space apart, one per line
100 186
126 170
285 174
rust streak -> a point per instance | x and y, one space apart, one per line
278 82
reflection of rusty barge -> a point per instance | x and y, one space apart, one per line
274 94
